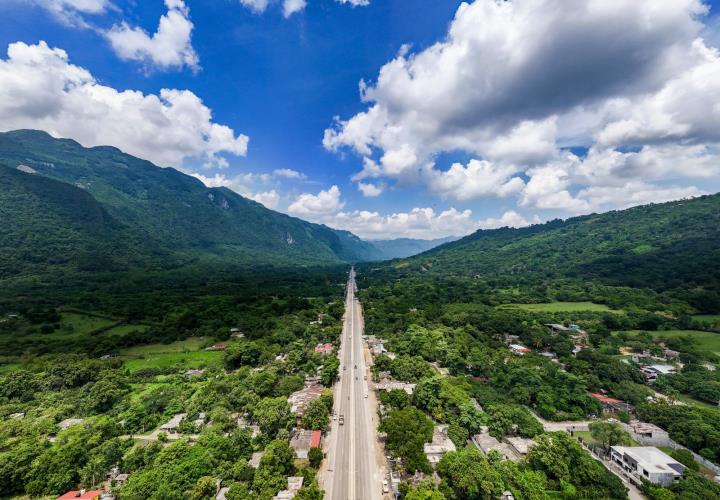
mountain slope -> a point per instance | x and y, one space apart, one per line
177 212
659 246
47 224
406 247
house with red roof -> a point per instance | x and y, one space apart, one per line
81 495
324 349
315 439
612 405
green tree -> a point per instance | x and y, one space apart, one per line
315 456
272 414
470 475
609 434
407 430
316 415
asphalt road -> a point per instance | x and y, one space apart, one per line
352 472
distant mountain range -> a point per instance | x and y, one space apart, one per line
65 207
406 247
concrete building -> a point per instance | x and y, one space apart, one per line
648 463
486 443
519 445
649 434
294 484
299 400
300 442
440 444
173 425
519 349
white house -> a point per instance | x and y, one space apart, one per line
649 463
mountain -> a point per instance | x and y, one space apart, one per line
142 212
666 246
406 247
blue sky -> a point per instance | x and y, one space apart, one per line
281 81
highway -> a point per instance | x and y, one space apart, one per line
352 472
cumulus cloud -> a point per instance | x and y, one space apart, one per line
290 7
316 206
270 199
417 223
516 84
255 5
370 190
508 219
289 173
40 89
169 47
70 11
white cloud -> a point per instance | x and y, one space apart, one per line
477 179
258 6
315 207
290 7
516 83
169 47
508 219
356 3
289 173
417 223
270 199
40 89
69 11
370 190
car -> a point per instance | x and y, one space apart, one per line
385 488
334 417
366 396
364 377
342 420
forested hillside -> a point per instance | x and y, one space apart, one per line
670 247
144 210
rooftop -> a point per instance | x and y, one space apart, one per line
81 495
651 459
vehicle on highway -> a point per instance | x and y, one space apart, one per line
342 420
366 396
364 377
356 367
386 487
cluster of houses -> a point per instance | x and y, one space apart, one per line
324 349
377 347
299 400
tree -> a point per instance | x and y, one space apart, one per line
316 415
204 489
470 475
272 414
315 456
407 431
609 434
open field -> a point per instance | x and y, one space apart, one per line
82 324
563 307
187 353
706 340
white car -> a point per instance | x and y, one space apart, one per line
366 396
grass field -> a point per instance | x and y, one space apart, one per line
184 354
83 324
706 340
563 307
587 437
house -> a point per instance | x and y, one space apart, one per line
648 463
670 354
386 383
315 439
193 372
519 349
557 328
281 357
324 349
648 433
201 420
300 442
440 444
519 445
486 443
17 416
294 484
254 461
69 422
577 348
612 405
652 372
173 425
507 495
244 424
217 347
299 400
81 495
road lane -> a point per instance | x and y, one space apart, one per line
352 472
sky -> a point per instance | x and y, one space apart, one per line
388 118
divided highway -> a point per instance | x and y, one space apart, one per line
352 472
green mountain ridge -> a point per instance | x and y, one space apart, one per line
666 246
406 247
161 210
